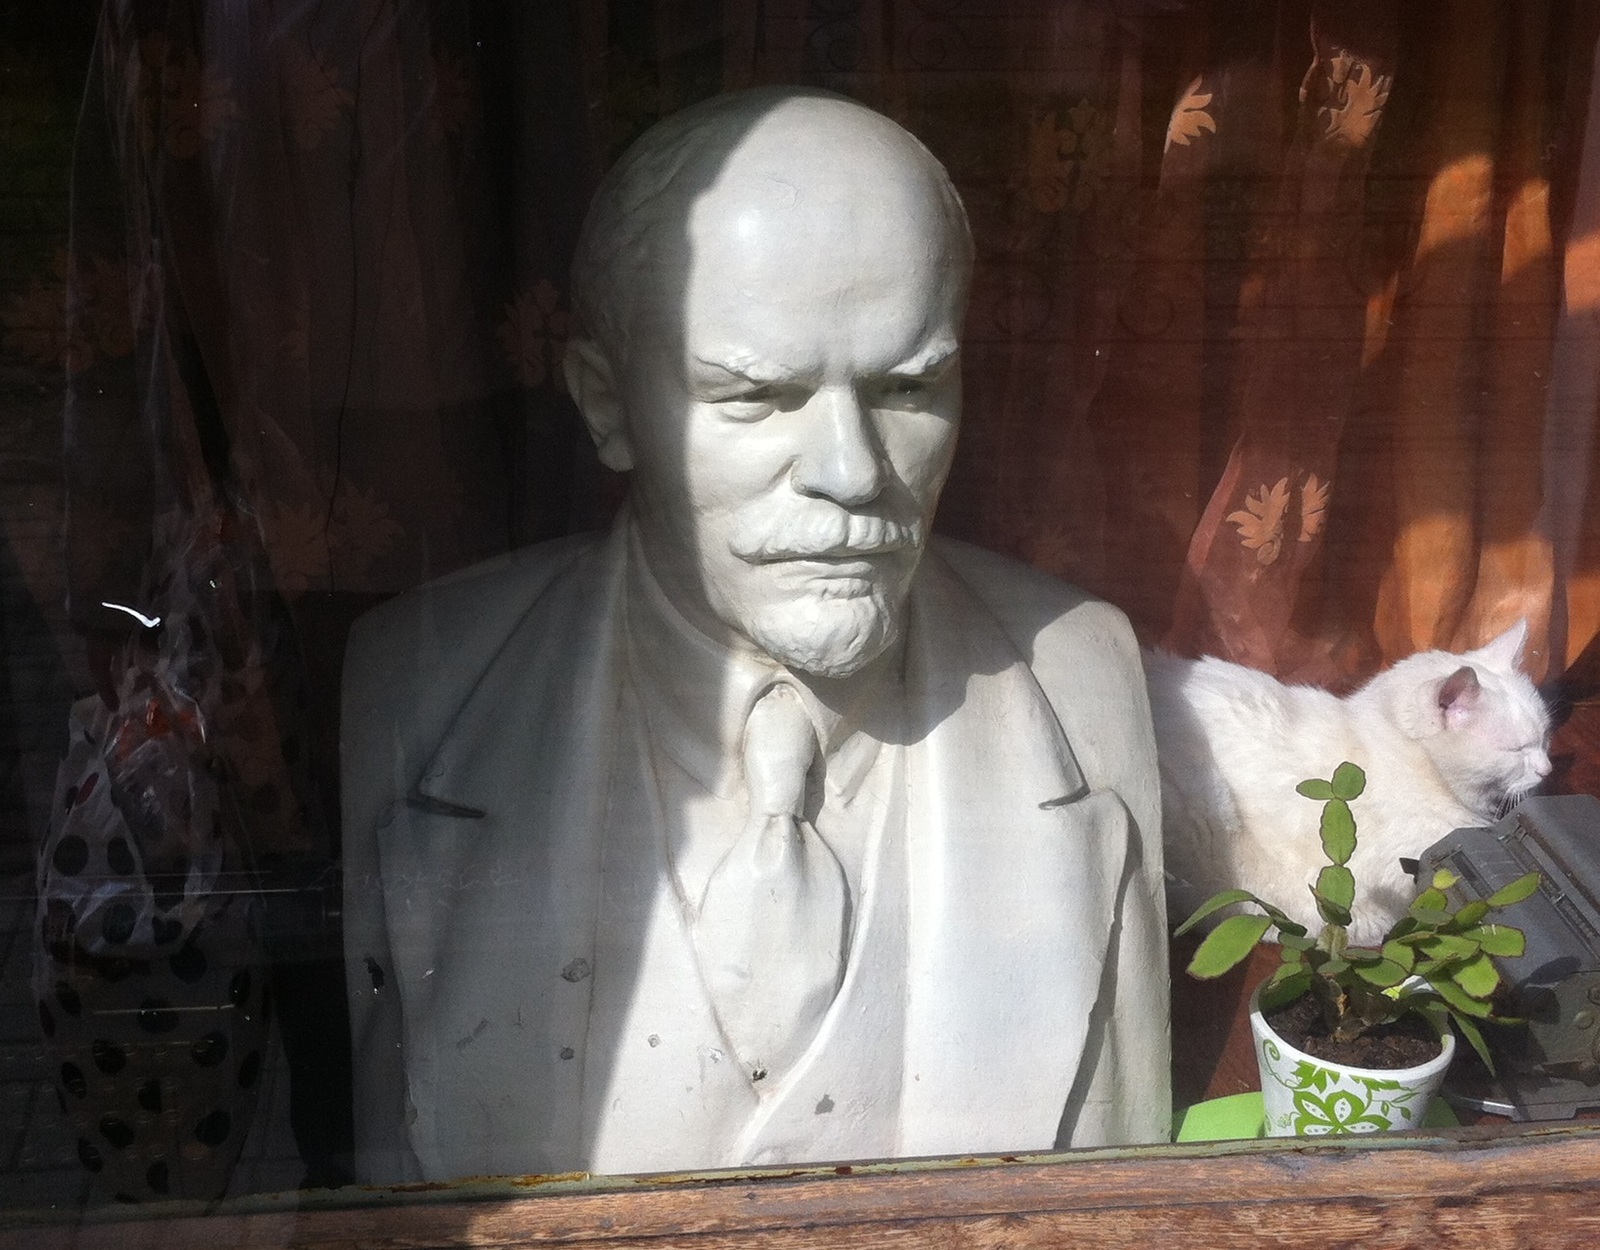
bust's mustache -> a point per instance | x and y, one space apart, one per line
823 535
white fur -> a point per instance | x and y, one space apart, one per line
1235 742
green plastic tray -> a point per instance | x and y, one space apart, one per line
1239 1117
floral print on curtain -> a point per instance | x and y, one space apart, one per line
1267 308
1262 331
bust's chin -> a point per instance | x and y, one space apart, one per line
826 637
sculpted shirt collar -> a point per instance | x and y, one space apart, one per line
697 694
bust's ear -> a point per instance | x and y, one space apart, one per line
591 384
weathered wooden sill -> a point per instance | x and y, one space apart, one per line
1471 1187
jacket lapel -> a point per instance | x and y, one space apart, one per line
1015 874
488 895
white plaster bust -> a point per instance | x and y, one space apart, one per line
762 829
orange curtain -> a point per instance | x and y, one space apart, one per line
1283 335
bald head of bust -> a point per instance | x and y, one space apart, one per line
635 232
768 295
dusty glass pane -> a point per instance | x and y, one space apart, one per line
1280 340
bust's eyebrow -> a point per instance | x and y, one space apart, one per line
742 367
927 363
930 362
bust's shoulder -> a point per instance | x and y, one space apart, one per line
1050 620
414 651
1083 655
483 598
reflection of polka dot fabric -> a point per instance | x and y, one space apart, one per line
95 863
151 997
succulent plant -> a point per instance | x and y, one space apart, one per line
1432 962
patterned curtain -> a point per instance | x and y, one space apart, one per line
1283 335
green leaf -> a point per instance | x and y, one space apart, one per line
1315 788
1400 953
1447 946
1498 939
1228 945
1348 781
1444 879
1429 901
1338 830
1215 904
1284 972
1430 918
1331 913
1460 1001
1383 974
1337 885
1478 977
1281 992
1518 890
1401 928
1437 971
1470 915
1295 942
1285 925
1470 1031
1333 966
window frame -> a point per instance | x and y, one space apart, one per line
1528 1185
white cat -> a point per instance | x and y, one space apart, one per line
1447 741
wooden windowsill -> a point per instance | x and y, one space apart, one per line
1459 1187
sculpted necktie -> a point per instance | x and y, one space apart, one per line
772 924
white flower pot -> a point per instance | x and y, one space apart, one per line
1306 1096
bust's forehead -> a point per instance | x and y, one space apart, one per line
813 134
812 176
744 185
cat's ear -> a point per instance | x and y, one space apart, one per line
1458 696
1506 650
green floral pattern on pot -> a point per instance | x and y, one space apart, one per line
1305 1096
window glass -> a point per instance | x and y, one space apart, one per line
1279 339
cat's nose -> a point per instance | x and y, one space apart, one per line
1541 764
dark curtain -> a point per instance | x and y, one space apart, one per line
1282 335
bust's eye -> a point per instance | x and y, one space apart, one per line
898 391
752 403
749 404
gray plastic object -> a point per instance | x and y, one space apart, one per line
1549 1068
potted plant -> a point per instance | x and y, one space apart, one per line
1326 1022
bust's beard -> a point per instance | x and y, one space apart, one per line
827 637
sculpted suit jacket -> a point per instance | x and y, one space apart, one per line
480 740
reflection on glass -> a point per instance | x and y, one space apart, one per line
1280 339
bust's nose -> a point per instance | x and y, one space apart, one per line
839 458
